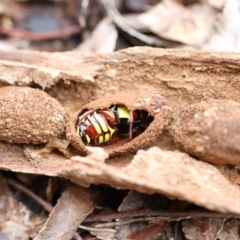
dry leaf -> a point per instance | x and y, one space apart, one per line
132 20
230 230
152 231
225 34
203 228
215 3
211 228
173 21
133 34
134 201
96 42
15 220
71 209
103 233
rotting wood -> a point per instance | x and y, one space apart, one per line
182 77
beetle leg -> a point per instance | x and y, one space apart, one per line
130 125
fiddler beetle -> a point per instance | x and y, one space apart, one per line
106 126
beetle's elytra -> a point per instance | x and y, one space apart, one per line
106 126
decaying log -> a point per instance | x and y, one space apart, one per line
182 77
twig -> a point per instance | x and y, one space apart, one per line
116 17
96 229
47 206
134 220
166 215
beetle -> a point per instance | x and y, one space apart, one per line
106 126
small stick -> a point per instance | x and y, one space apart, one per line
96 229
47 206
166 214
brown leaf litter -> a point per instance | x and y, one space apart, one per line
15 220
70 211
